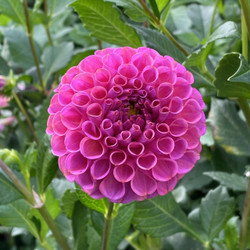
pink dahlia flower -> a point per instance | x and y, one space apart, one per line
126 124
4 101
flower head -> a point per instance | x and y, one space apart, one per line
126 124
4 101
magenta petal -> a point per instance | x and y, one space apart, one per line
113 61
167 186
180 146
91 130
57 144
191 112
124 173
149 74
82 82
71 117
95 113
136 148
164 91
91 64
100 169
141 60
98 93
103 76
186 163
112 189
118 157
128 70
165 145
49 129
192 136
55 106
91 149
72 140
57 125
175 105
81 99
120 80
86 181
142 184
107 127
146 161
110 142
165 169
178 127
76 164
65 94
61 162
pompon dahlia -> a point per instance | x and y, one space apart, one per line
126 124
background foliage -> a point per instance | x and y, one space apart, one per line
205 210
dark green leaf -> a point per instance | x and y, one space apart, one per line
216 208
46 165
232 181
68 202
79 225
8 191
94 239
16 214
232 76
19 47
56 57
161 216
103 21
4 67
230 131
98 205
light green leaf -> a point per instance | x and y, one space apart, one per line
46 165
159 42
98 205
16 214
68 201
103 21
232 76
162 4
56 57
94 239
232 181
230 131
161 217
79 225
4 67
208 139
216 208
231 232
14 10
56 7
29 158
198 57
8 191
19 47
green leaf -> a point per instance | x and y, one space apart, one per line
162 4
161 217
29 158
198 57
19 48
46 165
195 180
159 42
68 202
4 67
208 139
232 181
119 226
232 76
232 233
8 191
94 239
230 131
79 225
103 21
56 7
14 10
56 57
216 208
98 205
132 9
16 214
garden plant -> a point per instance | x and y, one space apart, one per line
125 124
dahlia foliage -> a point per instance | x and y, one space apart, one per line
126 124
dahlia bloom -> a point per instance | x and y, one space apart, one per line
6 121
126 124
4 101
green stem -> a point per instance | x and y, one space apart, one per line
27 194
213 17
244 230
20 105
45 4
106 226
245 7
32 46
54 229
160 26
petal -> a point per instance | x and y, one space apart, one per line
165 169
167 186
100 169
91 149
124 173
146 161
57 145
76 164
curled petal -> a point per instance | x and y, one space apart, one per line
192 136
91 130
175 105
124 173
165 145
191 111
71 117
107 127
118 157
124 138
187 161
149 74
112 61
100 169
98 93
91 64
166 186
82 82
178 127
73 139
57 125
164 91
61 162
55 106
91 149
81 99
136 148
146 161
95 113
141 60
119 80
86 181
110 142
65 94
128 70
76 164
165 169
180 146
103 76
57 144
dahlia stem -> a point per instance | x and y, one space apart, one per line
244 230
106 227
34 200
213 17
245 8
20 105
45 4
32 46
160 26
